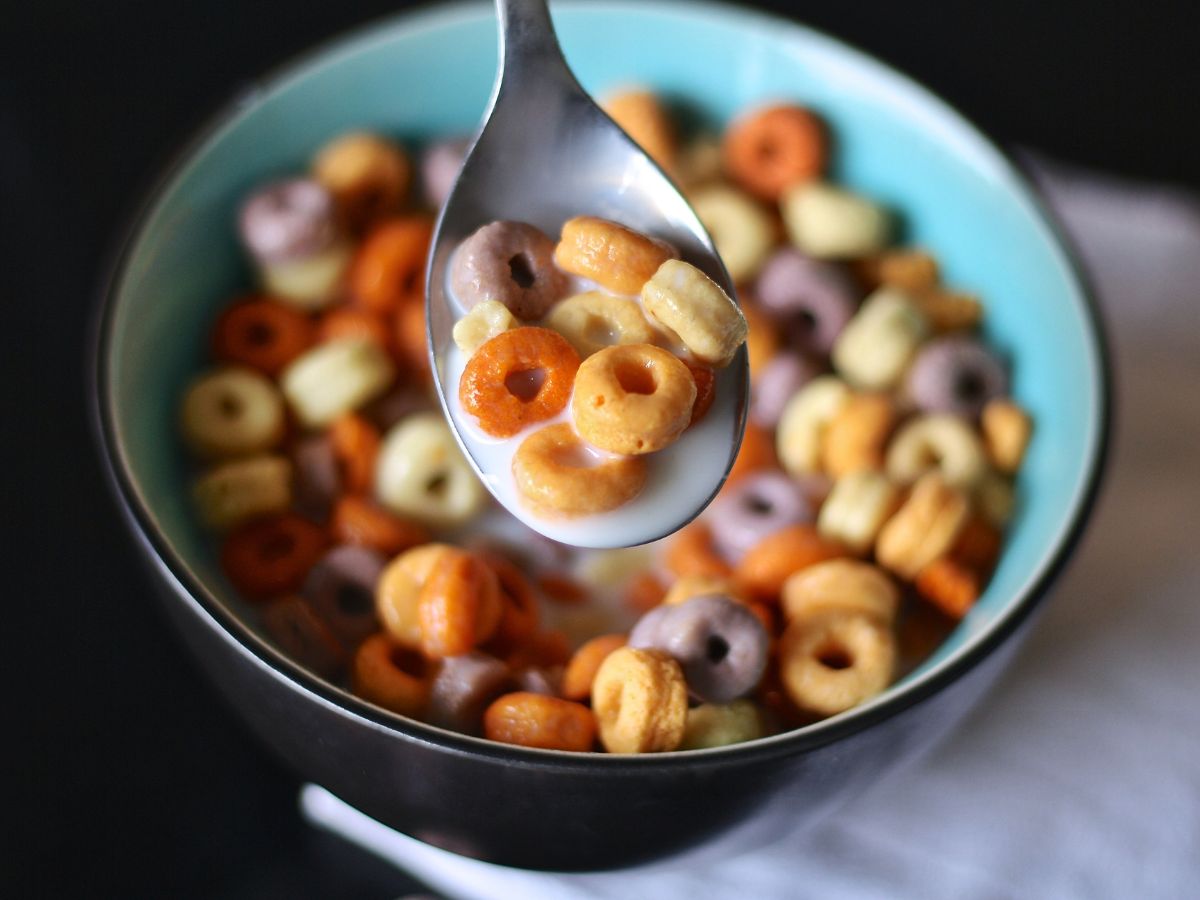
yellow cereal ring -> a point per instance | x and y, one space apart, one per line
640 701
835 662
924 528
856 436
840 586
592 321
722 724
398 591
856 508
1006 431
690 586
694 307
939 442
556 474
611 255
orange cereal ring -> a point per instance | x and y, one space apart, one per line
557 474
762 339
977 545
581 670
398 591
411 343
355 444
519 616
611 255
389 268
643 118
765 567
535 720
691 552
262 334
303 635
768 150
459 605
644 592
356 520
517 378
706 388
272 556
633 398
756 453
950 585
562 589
360 323
393 677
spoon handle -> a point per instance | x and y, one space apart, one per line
529 49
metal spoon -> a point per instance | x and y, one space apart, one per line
547 152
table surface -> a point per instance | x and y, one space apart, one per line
126 772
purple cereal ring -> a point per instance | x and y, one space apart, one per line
341 588
719 643
440 165
463 688
511 262
288 220
785 374
811 300
956 375
756 506
318 480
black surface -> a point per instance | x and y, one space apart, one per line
124 773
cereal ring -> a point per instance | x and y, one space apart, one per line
613 256
641 116
534 720
411 340
593 320
232 412
721 724
758 505
840 586
336 324
396 678
367 175
440 165
690 586
420 473
510 262
762 339
856 509
633 399
874 350
462 689
812 301
242 489
543 680
356 447
541 649
389 267
769 563
556 473
398 591
271 556
312 282
341 588
977 545
302 636
956 375
742 231
940 442
581 670
705 380
287 221
772 148
835 662
1006 432
405 398
519 615
459 605
924 528
756 454
640 702
690 551
950 585
910 269
833 223
356 520
481 324
804 421
518 378
562 589
948 310
693 306
317 480
857 435
262 334
334 378
699 161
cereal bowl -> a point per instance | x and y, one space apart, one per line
554 810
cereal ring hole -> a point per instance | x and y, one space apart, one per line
520 267
635 379
409 661
758 505
230 406
716 648
970 387
437 484
354 600
259 334
525 384
835 657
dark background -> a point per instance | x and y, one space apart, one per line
124 773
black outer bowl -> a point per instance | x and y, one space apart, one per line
542 810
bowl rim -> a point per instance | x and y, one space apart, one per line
275 664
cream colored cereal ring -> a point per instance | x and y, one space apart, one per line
557 475
640 701
857 435
874 350
613 256
593 320
243 489
721 724
421 473
398 591
694 307
699 161
939 441
482 323
1006 432
232 412
835 662
924 528
833 223
690 586
310 283
641 116
740 228
802 425
334 378
632 399
856 508
841 586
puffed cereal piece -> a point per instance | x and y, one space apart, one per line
762 340
261 333
873 352
535 720
805 419
1006 431
581 670
941 442
694 307
388 272
856 509
232 412
721 724
841 586
699 161
459 605
856 437
367 175
908 268
756 454
769 149
641 116
632 399
309 283
924 528
242 489
835 662
396 678
335 378
613 256
593 320
556 474
421 473
950 585
639 698
512 262
767 566
690 551
833 223
271 555
482 323
398 591
948 310
741 230
690 586
996 498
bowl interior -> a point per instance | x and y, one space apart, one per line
428 75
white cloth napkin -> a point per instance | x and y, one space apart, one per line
1080 775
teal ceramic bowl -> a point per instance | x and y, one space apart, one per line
427 75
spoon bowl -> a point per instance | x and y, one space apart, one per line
545 154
